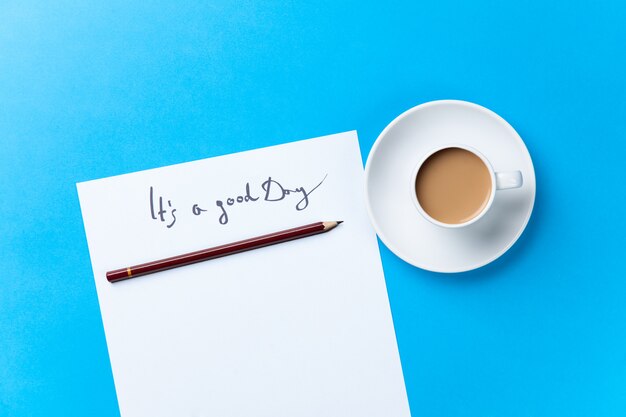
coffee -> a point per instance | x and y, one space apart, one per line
453 185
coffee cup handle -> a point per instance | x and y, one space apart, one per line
509 179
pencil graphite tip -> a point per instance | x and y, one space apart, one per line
339 221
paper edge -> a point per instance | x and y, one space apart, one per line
80 184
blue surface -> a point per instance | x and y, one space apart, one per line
92 89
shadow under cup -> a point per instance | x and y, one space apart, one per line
453 186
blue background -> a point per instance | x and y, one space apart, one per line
93 89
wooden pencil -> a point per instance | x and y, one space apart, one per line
219 251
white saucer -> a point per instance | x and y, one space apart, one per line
387 180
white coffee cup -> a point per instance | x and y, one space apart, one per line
499 181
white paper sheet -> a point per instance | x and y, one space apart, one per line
302 328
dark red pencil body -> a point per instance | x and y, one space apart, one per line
218 251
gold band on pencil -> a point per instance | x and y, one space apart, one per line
130 273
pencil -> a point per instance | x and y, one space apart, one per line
219 251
